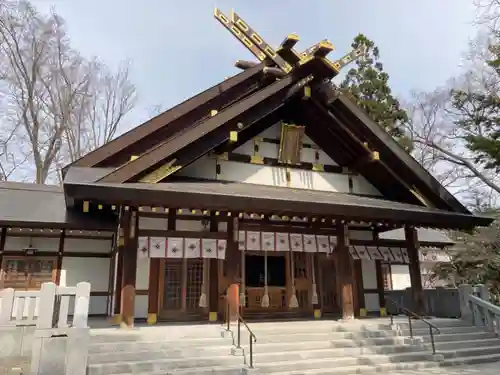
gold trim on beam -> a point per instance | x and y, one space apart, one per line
161 173
307 92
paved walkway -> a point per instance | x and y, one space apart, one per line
481 369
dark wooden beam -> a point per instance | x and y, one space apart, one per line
3 238
415 271
60 254
119 271
345 274
246 112
213 291
359 286
120 149
130 231
380 278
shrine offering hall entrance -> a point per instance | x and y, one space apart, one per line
179 275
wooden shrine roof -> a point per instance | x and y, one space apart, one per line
43 206
240 197
249 103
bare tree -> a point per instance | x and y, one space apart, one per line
441 143
95 121
64 104
439 146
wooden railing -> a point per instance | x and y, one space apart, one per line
37 319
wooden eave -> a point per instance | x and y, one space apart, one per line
238 197
170 122
393 155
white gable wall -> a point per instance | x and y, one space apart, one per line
205 168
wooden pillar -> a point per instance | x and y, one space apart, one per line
119 278
130 232
359 288
213 274
380 281
3 238
345 273
415 276
60 254
153 288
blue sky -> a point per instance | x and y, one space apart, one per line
178 48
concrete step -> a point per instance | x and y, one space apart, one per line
214 370
141 353
456 345
302 362
471 360
340 346
361 369
472 351
226 362
123 346
146 333
438 322
425 331
347 355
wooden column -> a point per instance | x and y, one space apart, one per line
415 276
60 254
380 281
213 274
345 273
359 288
153 288
3 238
119 278
130 232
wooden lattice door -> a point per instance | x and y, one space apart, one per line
329 295
176 274
172 298
194 283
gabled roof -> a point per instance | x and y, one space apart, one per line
254 100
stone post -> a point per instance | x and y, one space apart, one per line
464 291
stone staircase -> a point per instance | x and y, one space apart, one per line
306 347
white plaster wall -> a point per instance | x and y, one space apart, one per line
141 307
93 270
276 176
204 167
155 223
142 274
360 185
400 276
102 246
372 302
361 235
13 243
369 274
190 225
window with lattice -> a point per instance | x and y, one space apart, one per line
23 273
290 143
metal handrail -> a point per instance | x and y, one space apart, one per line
251 336
411 314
